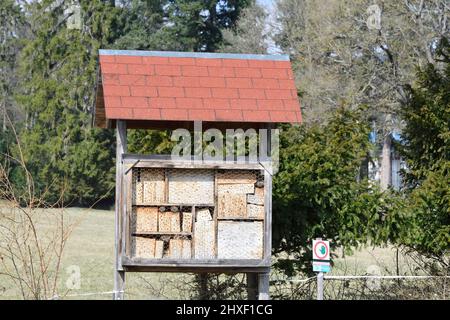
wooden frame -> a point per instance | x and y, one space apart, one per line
257 270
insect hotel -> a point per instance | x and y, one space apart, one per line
193 215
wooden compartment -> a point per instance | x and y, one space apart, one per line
191 186
144 219
240 240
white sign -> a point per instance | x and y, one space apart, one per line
321 250
321 255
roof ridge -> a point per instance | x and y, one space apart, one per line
207 55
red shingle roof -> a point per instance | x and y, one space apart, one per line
177 86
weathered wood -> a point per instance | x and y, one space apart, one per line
263 286
165 161
268 213
121 148
252 286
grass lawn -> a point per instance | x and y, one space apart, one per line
90 248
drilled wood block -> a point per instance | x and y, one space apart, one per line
255 211
255 199
175 248
239 240
203 215
144 219
143 247
236 188
236 177
259 192
159 249
204 242
191 186
153 186
167 220
138 195
231 205
175 222
186 250
186 224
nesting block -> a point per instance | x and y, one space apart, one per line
186 222
240 188
159 249
204 239
256 198
138 194
143 247
169 222
236 177
186 252
255 211
153 185
240 240
232 205
144 219
175 248
175 222
203 215
191 186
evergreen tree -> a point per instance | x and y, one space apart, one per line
58 69
425 147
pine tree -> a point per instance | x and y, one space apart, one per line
58 69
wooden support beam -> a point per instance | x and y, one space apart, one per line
121 148
263 286
252 286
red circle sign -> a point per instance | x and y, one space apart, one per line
326 250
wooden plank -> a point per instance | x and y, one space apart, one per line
157 233
121 148
203 215
236 177
241 188
268 213
252 286
263 286
165 161
128 212
169 222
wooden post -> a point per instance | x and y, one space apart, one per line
203 279
263 286
121 148
252 286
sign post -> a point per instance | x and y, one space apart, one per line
321 262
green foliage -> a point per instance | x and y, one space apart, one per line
426 150
317 192
58 71
426 135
